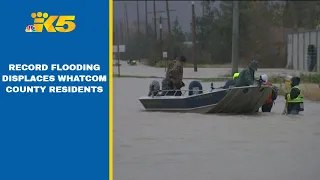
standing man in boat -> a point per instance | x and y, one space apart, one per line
294 99
246 76
174 75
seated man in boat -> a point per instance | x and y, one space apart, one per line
154 88
246 77
294 99
272 96
173 79
231 82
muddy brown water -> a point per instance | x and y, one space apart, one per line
186 146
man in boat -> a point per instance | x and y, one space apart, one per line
174 75
246 77
154 88
294 99
272 96
231 82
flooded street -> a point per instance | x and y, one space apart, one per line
141 69
182 146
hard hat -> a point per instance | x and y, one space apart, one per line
235 75
264 77
288 78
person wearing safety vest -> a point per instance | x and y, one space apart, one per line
294 99
231 82
271 97
235 75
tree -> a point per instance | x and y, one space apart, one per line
178 37
260 24
204 32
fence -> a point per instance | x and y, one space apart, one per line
297 49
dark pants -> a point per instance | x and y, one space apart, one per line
174 92
293 108
267 107
178 92
169 89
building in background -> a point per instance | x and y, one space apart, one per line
303 50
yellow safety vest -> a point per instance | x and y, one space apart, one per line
299 99
235 75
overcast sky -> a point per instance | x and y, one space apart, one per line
183 11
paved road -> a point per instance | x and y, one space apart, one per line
141 69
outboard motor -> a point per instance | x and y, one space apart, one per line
195 87
154 88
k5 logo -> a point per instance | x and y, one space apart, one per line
43 20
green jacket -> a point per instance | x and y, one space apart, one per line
246 77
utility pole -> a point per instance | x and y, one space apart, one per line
160 36
160 12
161 43
121 32
138 17
127 21
169 28
155 19
235 37
146 12
203 8
194 41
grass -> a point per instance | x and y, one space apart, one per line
305 78
310 85
310 78
310 91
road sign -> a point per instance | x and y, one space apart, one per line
164 54
122 48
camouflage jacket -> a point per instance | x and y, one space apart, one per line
175 73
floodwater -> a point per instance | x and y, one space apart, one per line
185 146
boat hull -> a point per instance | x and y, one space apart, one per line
242 100
236 100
